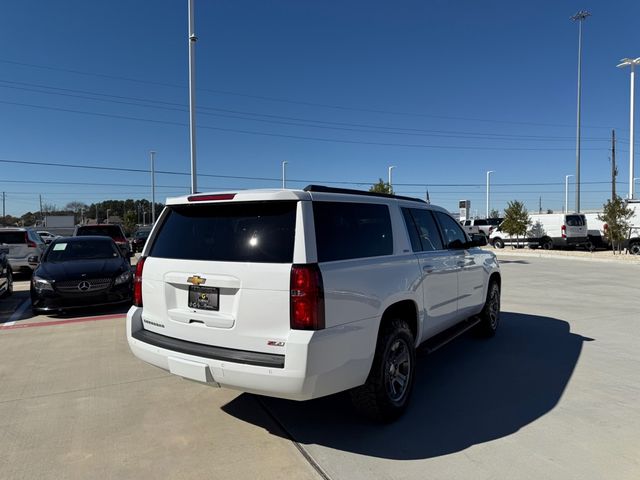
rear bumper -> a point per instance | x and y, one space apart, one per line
314 364
572 241
21 263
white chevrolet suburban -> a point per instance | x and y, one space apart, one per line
304 293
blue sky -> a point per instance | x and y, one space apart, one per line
442 90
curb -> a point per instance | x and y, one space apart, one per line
561 255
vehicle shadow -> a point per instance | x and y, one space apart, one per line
469 392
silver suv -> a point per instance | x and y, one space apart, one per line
24 244
304 293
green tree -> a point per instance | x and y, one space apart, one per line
516 220
616 215
130 222
494 213
381 187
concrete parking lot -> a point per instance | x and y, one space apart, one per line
554 395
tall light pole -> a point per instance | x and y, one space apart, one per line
631 62
192 97
566 193
153 187
108 210
389 178
579 17
284 174
488 191
634 183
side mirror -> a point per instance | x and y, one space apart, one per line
478 240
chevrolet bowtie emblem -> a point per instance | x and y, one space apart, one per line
197 280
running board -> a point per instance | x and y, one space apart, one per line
441 339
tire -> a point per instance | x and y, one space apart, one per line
589 245
634 248
546 243
498 243
490 315
386 392
9 290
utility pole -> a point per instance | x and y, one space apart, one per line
540 204
41 216
153 188
579 17
614 171
4 215
97 213
192 97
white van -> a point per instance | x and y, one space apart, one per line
547 230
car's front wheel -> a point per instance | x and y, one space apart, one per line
385 394
498 243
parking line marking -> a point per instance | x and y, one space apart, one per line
4 326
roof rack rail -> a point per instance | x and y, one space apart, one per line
349 191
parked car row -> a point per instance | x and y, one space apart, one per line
89 269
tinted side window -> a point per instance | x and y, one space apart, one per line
480 221
351 230
412 229
451 231
34 237
261 232
426 228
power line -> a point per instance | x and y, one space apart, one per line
296 137
289 101
291 121
238 177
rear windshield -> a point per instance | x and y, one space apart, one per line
574 221
112 231
260 232
13 237
85 250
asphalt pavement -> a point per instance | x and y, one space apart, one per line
553 395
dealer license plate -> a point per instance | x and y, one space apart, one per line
203 298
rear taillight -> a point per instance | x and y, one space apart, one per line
120 240
307 298
605 227
137 282
564 231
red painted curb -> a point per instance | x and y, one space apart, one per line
62 322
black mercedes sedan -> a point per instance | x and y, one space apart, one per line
80 272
